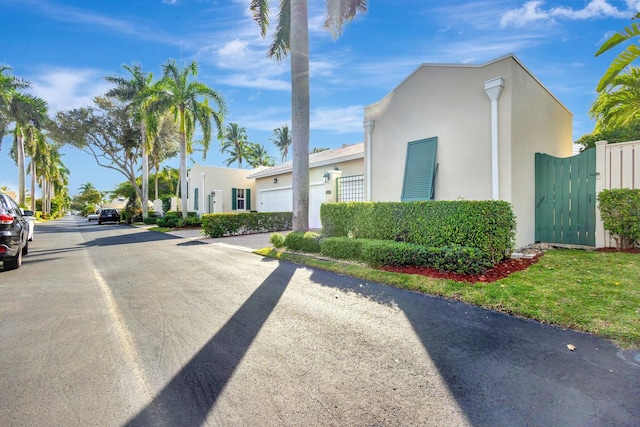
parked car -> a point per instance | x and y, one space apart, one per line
30 216
109 215
14 229
93 216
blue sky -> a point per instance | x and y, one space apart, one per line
66 48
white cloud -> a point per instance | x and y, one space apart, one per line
66 88
533 11
339 120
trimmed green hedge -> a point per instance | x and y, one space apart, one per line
300 241
379 253
486 225
620 211
228 224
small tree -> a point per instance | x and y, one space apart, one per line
620 211
133 207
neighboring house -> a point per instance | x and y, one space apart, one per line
465 132
214 189
334 175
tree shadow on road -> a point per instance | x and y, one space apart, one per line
187 399
504 370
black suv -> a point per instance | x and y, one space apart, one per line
109 215
14 233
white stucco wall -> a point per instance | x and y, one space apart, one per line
449 102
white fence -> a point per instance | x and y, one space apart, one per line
617 166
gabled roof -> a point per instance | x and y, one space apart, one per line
323 158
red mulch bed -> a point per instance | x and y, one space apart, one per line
499 271
628 250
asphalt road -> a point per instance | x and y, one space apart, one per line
113 325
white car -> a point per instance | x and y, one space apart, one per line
93 216
30 216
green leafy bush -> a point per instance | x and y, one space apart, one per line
342 248
227 224
170 220
299 241
150 220
620 212
486 225
277 240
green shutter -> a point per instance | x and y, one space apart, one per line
247 199
420 170
234 201
195 199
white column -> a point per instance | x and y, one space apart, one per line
493 88
368 137
202 195
603 238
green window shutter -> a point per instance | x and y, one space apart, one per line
247 199
195 199
234 201
420 170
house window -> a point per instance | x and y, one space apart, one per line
240 199
420 170
195 199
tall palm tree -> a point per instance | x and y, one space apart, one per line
179 94
282 140
235 143
292 37
25 110
37 148
619 104
136 91
626 57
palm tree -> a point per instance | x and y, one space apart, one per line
136 91
282 140
25 110
235 144
630 54
176 92
618 106
9 86
258 156
292 37
37 148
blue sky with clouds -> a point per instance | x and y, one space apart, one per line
66 48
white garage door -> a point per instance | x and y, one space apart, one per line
278 200
281 200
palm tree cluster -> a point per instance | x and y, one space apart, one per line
235 144
28 114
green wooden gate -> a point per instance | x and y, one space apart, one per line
566 199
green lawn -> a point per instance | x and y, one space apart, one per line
595 292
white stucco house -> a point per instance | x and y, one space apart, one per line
213 189
334 175
452 131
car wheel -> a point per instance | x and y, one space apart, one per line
25 249
13 263
99 222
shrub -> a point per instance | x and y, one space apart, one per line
151 220
299 241
342 248
620 212
170 220
486 225
226 224
277 240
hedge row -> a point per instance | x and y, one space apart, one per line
453 258
486 225
228 224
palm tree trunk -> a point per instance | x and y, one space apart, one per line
300 113
33 184
145 172
183 166
22 193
